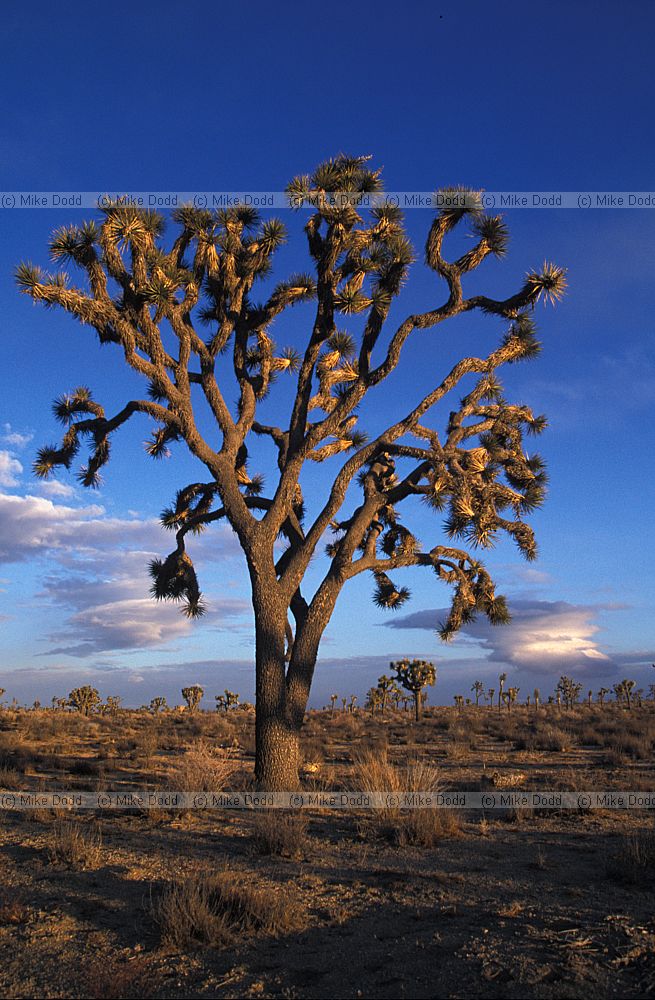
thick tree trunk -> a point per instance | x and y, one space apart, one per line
283 688
282 694
277 755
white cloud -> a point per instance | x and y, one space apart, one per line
13 438
53 488
10 469
544 637
97 573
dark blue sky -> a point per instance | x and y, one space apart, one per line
501 97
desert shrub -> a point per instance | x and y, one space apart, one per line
424 827
217 909
74 844
638 747
86 767
13 908
545 737
10 779
112 979
280 834
313 749
634 861
460 742
204 769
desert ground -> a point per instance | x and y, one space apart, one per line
158 903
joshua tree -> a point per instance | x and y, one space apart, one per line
112 704
478 689
227 700
536 694
373 699
511 696
84 699
144 295
490 696
569 691
623 691
193 696
601 695
386 686
501 687
415 677
353 701
459 701
651 692
158 704
333 700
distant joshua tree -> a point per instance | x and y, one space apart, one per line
601 695
512 694
193 696
459 701
386 686
490 696
158 704
227 700
147 296
373 699
478 689
112 704
623 691
415 676
536 694
85 699
568 691
501 687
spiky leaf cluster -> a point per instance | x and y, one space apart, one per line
174 579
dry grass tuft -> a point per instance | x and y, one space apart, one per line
280 834
75 844
214 911
634 861
423 827
205 769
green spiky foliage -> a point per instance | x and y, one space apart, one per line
182 306
415 676
623 691
226 701
85 699
193 696
478 690
568 691
387 688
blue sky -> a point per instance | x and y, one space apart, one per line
558 99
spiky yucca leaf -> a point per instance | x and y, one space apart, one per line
351 302
28 275
273 235
494 231
387 595
550 282
66 406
